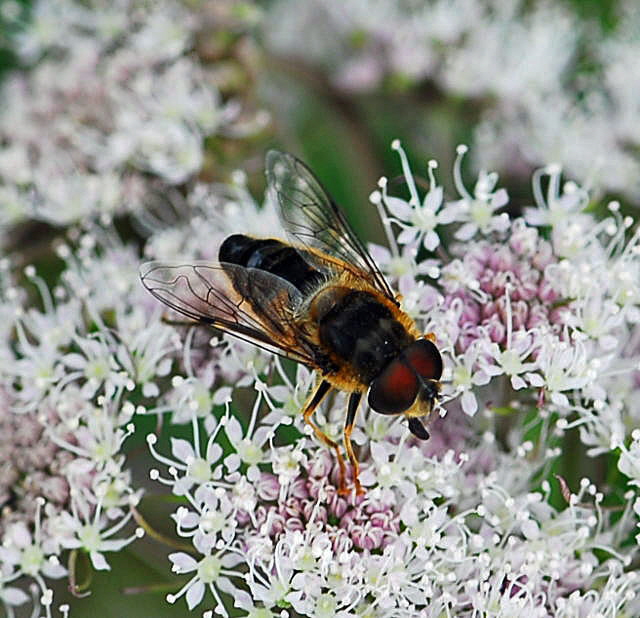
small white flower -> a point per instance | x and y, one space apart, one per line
93 534
285 461
417 218
564 367
477 211
471 370
209 573
513 361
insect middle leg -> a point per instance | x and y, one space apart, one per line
352 408
314 401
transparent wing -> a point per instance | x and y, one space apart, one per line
251 304
312 218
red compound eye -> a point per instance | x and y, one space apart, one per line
425 359
395 389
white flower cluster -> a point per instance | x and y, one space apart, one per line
549 300
491 52
565 125
537 319
67 379
79 360
111 100
459 532
536 316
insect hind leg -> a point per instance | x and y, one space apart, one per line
314 401
352 409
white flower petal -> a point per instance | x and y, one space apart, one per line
407 235
74 361
499 198
164 367
232 462
182 486
182 563
398 208
433 199
150 389
560 400
431 240
98 561
253 474
195 594
466 231
14 596
189 520
222 395
19 535
535 379
380 254
280 392
469 403
233 429
448 214
481 377
379 453
214 452
517 382
182 450
114 544
53 570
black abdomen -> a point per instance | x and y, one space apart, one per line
271 255
363 332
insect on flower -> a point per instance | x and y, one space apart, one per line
318 299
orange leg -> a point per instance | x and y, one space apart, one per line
352 408
314 401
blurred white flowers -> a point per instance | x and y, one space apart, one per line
111 99
548 84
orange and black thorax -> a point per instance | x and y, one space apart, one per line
358 329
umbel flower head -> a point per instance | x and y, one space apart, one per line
66 416
89 130
537 320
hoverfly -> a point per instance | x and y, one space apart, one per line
318 299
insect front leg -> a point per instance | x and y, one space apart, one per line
314 401
352 408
